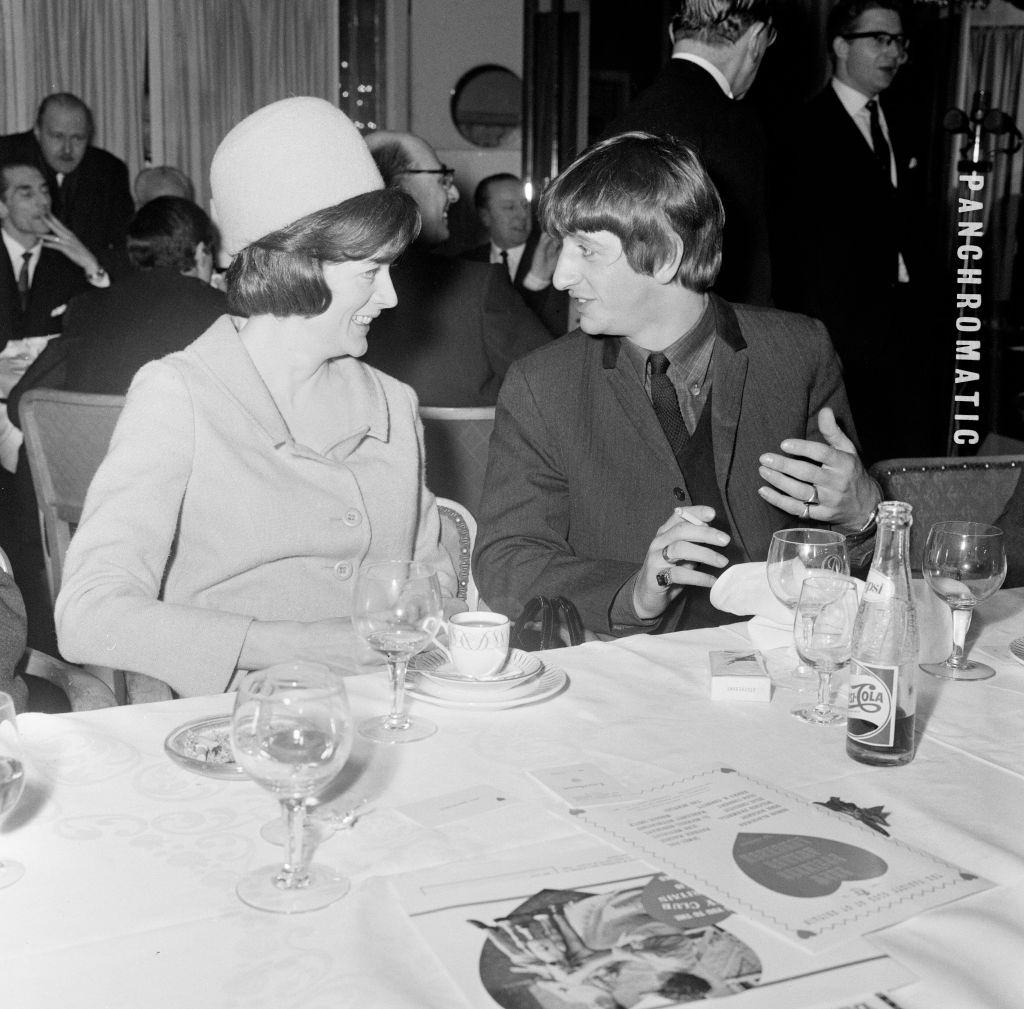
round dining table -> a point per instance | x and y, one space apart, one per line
128 897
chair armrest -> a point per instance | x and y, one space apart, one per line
85 692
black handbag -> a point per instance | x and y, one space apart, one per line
548 623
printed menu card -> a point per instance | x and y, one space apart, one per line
576 924
809 873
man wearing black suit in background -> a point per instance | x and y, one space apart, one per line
717 48
44 264
458 325
526 253
88 185
852 235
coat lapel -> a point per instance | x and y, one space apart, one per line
633 400
728 379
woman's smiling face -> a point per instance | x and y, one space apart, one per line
360 291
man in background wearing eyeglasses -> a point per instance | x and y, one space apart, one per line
458 325
854 233
717 49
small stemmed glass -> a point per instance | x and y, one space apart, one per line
823 630
396 610
12 779
793 555
964 563
291 730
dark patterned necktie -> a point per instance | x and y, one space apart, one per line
23 282
878 141
504 262
666 404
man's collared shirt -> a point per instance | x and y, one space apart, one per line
515 254
710 68
856 105
689 366
16 252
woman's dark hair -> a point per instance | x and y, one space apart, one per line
649 191
165 232
281 274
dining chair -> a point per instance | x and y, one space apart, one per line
973 488
84 691
458 534
457 441
66 437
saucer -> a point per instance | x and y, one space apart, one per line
204 746
519 668
539 688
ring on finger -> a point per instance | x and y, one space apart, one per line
664 578
664 555
813 499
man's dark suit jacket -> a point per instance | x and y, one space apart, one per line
841 229
55 282
580 474
550 305
95 201
110 334
457 328
686 102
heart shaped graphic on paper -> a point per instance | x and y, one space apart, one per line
800 866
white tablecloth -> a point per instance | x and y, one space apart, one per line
128 898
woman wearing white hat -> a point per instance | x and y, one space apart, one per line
251 474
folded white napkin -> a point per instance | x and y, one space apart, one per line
743 589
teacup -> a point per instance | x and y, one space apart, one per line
478 642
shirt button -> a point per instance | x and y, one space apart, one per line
352 517
343 569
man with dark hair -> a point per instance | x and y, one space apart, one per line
44 263
162 306
854 232
524 252
668 397
88 185
458 325
717 48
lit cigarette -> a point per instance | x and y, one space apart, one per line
687 517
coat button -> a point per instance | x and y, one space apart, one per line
343 569
352 517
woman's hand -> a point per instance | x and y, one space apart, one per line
682 543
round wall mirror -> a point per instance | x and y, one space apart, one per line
487 107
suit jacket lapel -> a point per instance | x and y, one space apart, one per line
633 399
728 378
526 258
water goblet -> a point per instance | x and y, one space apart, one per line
396 610
291 730
964 563
823 630
12 779
792 556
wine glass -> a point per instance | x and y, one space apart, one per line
964 563
823 630
291 730
396 610
793 554
12 779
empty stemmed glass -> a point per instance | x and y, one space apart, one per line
396 610
12 779
823 630
291 730
964 563
793 555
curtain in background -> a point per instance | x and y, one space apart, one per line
95 49
214 63
997 66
